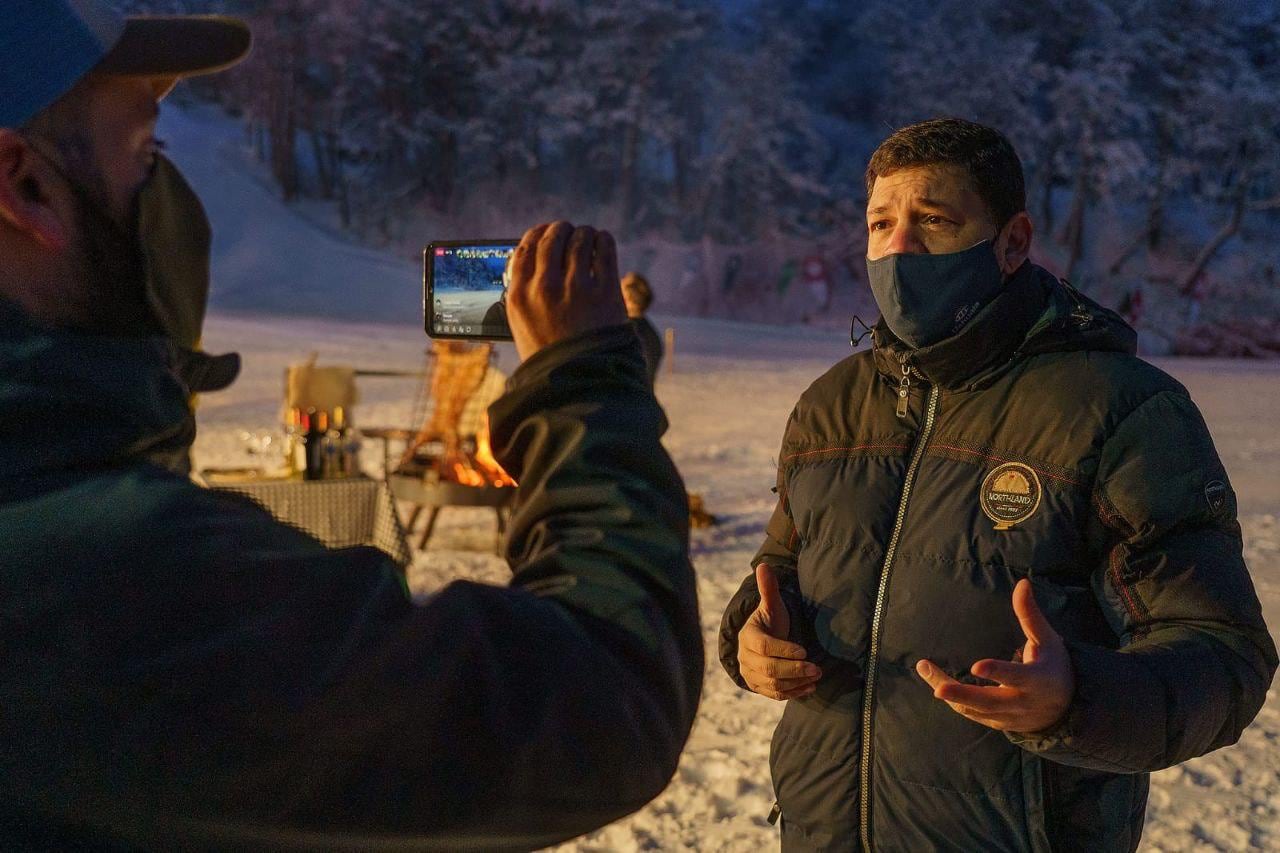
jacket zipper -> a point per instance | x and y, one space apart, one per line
868 699
904 388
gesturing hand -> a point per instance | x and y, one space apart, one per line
1033 691
564 281
770 664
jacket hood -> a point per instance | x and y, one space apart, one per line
1035 313
74 400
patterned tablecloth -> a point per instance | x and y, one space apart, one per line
340 513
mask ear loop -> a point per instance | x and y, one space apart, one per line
854 338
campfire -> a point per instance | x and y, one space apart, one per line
453 443
479 468
449 461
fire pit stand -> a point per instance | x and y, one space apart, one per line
447 461
433 496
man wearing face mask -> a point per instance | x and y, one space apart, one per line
1003 581
143 257
181 672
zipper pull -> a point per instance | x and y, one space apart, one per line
904 390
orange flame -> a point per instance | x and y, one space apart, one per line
467 476
482 469
486 460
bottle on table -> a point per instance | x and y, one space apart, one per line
312 441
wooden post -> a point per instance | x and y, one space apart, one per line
671 350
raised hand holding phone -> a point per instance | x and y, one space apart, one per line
564 281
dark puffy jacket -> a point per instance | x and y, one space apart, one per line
1034 444
181 672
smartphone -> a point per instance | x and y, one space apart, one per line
465 289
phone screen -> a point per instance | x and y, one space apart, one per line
466 289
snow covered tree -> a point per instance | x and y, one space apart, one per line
761 161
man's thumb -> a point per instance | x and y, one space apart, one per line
771 606
1033 622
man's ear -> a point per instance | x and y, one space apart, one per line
26 200
1013 243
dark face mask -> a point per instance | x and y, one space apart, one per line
173 239
108 260
111 269
150 277
927 298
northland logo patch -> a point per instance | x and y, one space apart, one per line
1010 494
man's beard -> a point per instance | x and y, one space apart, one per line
111 270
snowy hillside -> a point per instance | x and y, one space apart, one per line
265 258
727 399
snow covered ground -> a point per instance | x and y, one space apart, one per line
727 398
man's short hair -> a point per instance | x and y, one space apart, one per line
983 153
638 287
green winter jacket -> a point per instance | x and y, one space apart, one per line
915 490
182 673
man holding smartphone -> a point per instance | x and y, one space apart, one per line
183 672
